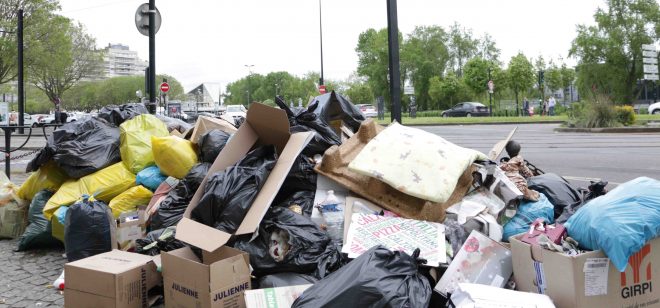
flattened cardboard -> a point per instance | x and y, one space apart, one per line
217 282
112 279
205 124
565 276
263 125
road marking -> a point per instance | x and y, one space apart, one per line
583 179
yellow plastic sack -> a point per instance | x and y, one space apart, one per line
174 156
49 176
104 184
129 200
135 141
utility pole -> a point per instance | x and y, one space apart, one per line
21 77
490 93
395 73
152 56
321 37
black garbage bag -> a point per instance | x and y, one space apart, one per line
38 232
559 192
118 114
43 156
301 120
157 241
301 176
89 229
332 106
211 143
310 249
174 205
228 194
285 280
377 278
595 190
173 124
302 200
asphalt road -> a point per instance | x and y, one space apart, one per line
579 157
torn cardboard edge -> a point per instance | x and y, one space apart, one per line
205 124
263 125
497 149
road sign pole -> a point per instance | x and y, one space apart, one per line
490 95
21 78
152 56
395 73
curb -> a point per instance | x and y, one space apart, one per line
489 123
615 130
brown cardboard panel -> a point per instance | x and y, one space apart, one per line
178 295
78 299
271 124
200 235
79 279
205 124
229 272
222 253
185 268
335 166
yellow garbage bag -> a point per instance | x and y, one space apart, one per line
174 156
129 200
49 176
135 141
104 184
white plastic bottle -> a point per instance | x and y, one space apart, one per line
333 214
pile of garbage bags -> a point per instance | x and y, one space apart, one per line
365 215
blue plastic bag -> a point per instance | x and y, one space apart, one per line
528 211
150 177
620 222
61 214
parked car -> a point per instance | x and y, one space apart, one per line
233 113
369 111
50 119
654 108
468 109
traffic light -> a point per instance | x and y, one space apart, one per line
541 78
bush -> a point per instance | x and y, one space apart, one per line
643 110
597 113
625 115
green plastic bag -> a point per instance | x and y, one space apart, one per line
38 232
135 141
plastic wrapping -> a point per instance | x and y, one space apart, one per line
528 211
378 278
130 200
174 156
228 194
89 229
104 185
136 147
38 232
620 222
150 177
49 176
158 241
558 191
13 211
118 114
211 143
311 251
171 209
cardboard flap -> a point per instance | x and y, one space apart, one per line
499 146
200 235
271 124
256 213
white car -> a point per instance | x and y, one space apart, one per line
50 119
654 108
233 112
369 111
27 119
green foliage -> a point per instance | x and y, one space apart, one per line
599 112
520 74
373 61
448 91
462 46
359 93
475 75
262 88
625 115
610 52
643 111
425 55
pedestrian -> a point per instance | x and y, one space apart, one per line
525 107
545 107
551 105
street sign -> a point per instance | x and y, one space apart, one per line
651 77
142 19
650 60
650 68
648 47
164 87
322 89
491 86
650 53
408 90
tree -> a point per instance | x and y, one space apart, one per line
34 12
462 46
475 74
447 91
520 76
553 78
425 55
567 77
67 55
487 49
359 93
373 64
609 53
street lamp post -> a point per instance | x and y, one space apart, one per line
20 77
321 39
249 67
490 94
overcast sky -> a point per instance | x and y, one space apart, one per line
212 40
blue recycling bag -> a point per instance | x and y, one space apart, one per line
150 177
528 212
620 222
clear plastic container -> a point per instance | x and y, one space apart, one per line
333 213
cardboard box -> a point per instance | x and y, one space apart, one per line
481 260
217 281
115 279
274 297
130 227
205 124
588 279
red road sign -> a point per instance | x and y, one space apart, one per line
164 87
322 89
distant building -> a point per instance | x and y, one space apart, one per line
119 60
203 98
